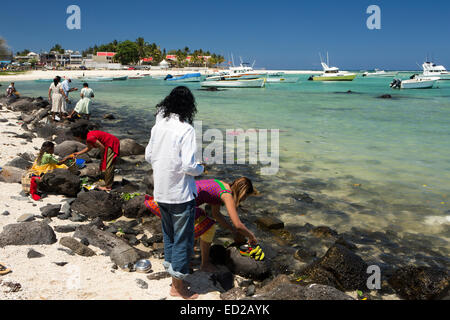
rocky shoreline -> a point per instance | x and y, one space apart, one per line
106 232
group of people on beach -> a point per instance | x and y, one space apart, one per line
58 95
177 196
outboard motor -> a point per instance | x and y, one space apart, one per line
396 84
169 76
310 78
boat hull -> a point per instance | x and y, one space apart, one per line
281 80
349 77
423 84
120 78
256 83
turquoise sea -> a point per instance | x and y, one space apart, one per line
378 163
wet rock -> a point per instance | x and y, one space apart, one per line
324 232
346 243
22 105
91 170
339 267
246 266
109 116
31 254
19 163
130 147
76 247
304 254
26 218
60 181
281 288
68 147
27 233
11 174
420 283
135 208
303 197
268 222
50 210
93 204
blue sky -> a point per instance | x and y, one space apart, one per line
277 34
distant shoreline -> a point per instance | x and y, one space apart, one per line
50 74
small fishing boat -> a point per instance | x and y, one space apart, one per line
379 73
121 78
189 77
279 78
136 77
414 83
332 73
97 79
238 83
43 80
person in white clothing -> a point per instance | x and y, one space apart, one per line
171 152
65 85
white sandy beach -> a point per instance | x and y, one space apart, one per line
82 277
50 74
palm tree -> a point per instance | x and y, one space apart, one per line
142 46
181 58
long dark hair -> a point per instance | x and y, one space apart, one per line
47 146
57 80
81 131
180 101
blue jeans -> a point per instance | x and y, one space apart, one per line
178 233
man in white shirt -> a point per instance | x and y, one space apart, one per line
171 151
65 85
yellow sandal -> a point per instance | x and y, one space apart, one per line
4 270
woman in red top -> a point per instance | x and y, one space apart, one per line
110 146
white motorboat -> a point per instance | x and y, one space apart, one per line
236 83
244 71
414 83
379 73
431 70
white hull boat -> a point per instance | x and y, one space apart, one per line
431 70
416 83
242 83
379 74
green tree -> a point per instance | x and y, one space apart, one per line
181 58
57 47
127 52
23 53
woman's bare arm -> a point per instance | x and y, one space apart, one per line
232 212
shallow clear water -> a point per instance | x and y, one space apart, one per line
381 162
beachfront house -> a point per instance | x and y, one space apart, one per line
101 60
